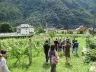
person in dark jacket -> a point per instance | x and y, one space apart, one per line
67 50
59 45
75 47
73 41
46 50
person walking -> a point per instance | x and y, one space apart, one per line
3 64
73 41
63 45
51 52
59 45
67 50
75 48
46 50
54 61
56 44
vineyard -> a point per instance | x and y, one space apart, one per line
18 60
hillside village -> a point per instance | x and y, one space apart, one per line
80 29
26 29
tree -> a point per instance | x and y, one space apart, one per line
40 30
1 0
5 27
52 34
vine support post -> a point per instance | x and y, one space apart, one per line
30 51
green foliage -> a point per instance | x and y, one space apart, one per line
92 44
57 13
81 32
52 34
16 48
1 0
5 27
40 30
91 55
9 12
14 29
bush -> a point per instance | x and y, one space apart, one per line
91 55
52 34
5 27
40 30
81 32
92 44
87 58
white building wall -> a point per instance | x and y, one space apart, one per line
31 29
24 31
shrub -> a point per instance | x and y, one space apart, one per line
92 44
87 58
40 30
52 34
91 55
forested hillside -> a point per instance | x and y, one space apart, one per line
57 13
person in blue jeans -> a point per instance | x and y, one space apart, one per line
75 47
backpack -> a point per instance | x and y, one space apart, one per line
54 60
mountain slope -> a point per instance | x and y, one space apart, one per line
57 13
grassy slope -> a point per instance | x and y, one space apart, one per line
38 65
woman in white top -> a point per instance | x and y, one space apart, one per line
3 64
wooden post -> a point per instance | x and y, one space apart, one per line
0 44
30 51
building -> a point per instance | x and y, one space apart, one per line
49 29
62 30
25 29
81 29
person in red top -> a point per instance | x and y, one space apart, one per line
56 44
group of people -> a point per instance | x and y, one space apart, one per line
3 64
52 50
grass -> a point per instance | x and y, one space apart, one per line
38 61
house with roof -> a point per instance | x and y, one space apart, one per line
50 30
25 29
81 29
